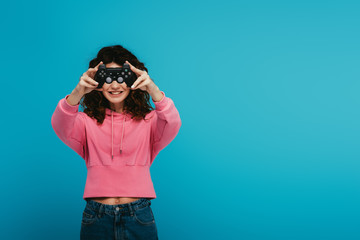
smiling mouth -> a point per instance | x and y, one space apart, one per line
116 93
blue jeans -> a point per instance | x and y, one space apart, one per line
134 220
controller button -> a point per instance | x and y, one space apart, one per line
108 80
120 79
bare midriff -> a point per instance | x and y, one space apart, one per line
113 200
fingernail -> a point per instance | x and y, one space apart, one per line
132 86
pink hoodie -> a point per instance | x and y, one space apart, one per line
118 153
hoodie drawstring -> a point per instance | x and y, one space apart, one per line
122 135
112 135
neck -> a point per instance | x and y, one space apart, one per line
117 108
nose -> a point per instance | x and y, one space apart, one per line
116 85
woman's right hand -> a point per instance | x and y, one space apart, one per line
87 82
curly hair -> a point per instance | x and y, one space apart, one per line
136 103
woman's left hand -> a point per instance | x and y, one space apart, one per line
143 82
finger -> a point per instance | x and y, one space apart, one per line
90 80
97 66
91 72
143 84
85 84
134 69
138 81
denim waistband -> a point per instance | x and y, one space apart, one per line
118 208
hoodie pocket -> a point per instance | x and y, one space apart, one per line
137 162
138 157
136 149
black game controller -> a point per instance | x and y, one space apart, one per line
108 75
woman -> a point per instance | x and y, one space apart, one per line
119 134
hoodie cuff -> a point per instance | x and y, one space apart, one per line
67 107
162 103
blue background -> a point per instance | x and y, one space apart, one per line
268 94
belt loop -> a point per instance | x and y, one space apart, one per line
100 210
131 209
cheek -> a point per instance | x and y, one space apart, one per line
108 96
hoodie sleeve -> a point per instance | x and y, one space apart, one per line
69 125
165 125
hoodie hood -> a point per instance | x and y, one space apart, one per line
115 116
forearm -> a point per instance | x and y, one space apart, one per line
156 94
74 98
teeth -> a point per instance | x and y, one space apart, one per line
115 93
